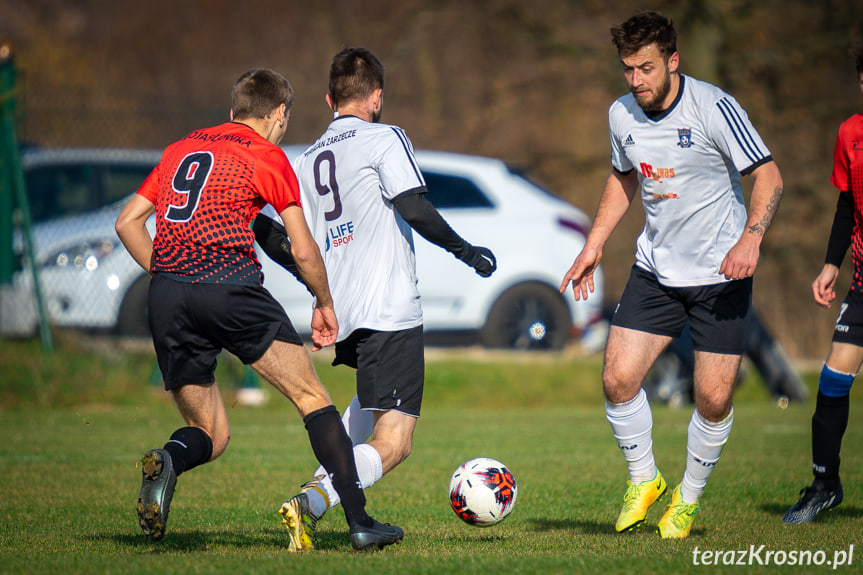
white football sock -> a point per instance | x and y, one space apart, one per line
358 422
370 469
632 425
704 443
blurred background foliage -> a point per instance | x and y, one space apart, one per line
529 81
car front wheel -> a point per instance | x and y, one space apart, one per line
528 316
132 320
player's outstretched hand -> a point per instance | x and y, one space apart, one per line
823 288
581 274
742 259
325 327
480 259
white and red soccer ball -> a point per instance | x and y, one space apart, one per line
482 492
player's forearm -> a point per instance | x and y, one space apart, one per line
313 274
306 255
423 217
842 230
615 201
131 228
273 239
139 245
766 193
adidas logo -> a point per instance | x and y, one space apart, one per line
628 141
827 504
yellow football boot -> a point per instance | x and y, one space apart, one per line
298 518
637 500
678 519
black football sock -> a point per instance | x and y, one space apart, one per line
189 447
334 451
828 427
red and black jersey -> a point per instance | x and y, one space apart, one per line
207 189
848 177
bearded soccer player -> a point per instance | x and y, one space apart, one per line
846 351
361 178
685 144
206 295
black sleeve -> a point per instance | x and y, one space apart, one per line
843 228
273 239
422 216
756 165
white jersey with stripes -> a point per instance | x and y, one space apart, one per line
347 181
689 162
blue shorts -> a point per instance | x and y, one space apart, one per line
718 314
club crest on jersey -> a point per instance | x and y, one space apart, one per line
339 235
684 137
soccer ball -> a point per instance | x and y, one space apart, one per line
482 492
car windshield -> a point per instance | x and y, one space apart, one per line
56 191
65 189
523 174
453 192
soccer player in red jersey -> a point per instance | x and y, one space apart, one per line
846 351
206 295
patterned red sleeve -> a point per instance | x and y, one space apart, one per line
840 177
150 188
276 180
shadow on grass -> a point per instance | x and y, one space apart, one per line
201 540
195 540
779 510
185 540
332 540
586 527
595 527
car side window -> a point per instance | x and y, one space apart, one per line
56 191
454 192
121 181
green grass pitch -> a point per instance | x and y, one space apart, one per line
69 479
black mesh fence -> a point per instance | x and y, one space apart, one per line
88 280
82 154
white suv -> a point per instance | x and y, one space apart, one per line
90 281
534 236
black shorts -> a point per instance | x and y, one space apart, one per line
849 323
192 323
390 368
718 314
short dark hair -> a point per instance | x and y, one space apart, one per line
645 28
857 53
354 74
258 92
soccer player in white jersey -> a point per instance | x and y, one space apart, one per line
685 143
363 192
